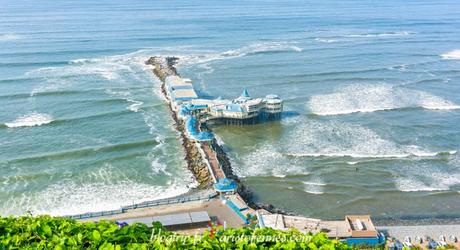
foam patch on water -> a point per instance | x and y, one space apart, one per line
451 55
346 37
9 37
325 40
370 98
267 161
135 106
30 120
427 181
315 186
384 34
337 139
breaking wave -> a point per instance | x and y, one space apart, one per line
369 98
30 120
424 180
353 155
252 49
337 139
267 161
98 190
451 55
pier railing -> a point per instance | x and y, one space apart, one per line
144 204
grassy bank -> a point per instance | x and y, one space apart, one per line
45 232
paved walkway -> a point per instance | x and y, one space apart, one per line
213 207
215 166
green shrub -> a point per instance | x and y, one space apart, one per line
45 232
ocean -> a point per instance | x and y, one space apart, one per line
371 90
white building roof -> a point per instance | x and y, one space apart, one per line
176 81
172 219
184 94
201 216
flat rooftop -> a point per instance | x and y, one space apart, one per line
361 226
172 219
183 93
176 81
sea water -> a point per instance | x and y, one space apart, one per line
371 90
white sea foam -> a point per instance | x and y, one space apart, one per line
370 98
451 55
30 120
352 162
424 180
9 37
325 40
338 139
384 34
135 106
314 186
361 36
104 188
193 59
267 161
68 198
313 183
108 68
414 185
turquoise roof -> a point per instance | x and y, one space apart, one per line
225 185
245 93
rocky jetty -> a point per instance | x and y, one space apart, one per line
163 67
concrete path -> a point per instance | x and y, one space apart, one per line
213 207
215 166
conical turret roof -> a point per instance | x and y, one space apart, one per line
245 93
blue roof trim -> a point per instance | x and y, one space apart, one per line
225 184
192 130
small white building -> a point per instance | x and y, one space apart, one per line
179 90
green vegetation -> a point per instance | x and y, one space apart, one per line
45 232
